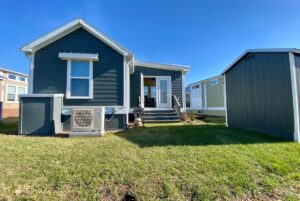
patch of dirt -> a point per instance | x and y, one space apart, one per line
271 196
105 193
108 194
22 190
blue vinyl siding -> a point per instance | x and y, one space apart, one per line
50 72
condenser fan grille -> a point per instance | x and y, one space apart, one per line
83 118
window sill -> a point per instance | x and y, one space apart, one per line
9 102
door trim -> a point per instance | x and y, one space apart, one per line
156 95
168 78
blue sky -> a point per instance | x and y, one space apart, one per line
205 34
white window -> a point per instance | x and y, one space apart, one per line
80 79
13 92
21 90
214 82
22 79
195 86
11 76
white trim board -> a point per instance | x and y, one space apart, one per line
68 28
41 95
183 68
31 72
78 56
183 92
225 100
295 97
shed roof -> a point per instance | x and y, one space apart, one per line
295 50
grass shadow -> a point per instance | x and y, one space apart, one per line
193 135
9 126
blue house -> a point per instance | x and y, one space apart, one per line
90 70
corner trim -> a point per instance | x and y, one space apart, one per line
295 97
225 100
31 72
183 92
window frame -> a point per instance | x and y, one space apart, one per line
16 92
21 80
19 93
211 82
8 74
69 78
196 86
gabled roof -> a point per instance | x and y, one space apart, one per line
68 28
162 66
295 50
80 23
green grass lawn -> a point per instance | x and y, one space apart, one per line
205 161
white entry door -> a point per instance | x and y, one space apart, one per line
163 85
196 96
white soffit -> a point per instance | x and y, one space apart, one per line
162 66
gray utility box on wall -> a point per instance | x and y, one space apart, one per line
40 114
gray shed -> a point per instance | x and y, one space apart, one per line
40 114
262 91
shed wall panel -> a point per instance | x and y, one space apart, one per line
259 94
